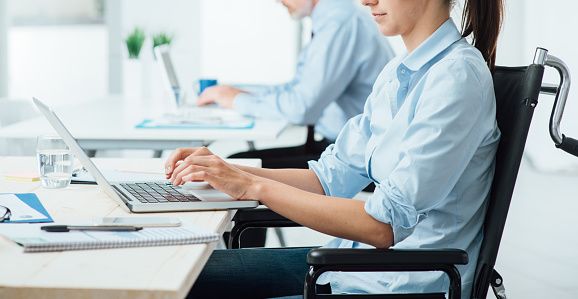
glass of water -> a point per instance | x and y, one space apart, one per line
55 162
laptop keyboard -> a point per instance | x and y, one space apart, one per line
157 192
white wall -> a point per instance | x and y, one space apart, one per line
3 48
529 24
249 41
54 11
60 64
550 25
177 17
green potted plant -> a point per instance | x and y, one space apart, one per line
162 38
134 77
134 42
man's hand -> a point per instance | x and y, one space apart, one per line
223 95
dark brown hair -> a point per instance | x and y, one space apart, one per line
483 18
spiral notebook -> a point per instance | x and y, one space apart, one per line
35 240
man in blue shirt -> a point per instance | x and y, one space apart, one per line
334 76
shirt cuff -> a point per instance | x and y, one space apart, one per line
245 104
254 89
382 206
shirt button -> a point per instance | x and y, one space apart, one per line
402 71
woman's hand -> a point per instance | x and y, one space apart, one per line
200 164
176 158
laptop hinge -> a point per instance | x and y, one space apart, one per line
124 197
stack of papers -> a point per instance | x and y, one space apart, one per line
199 118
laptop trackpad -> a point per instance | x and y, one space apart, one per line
208 194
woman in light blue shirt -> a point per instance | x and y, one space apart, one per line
427 137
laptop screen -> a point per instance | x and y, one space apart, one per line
169 74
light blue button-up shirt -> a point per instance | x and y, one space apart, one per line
427 137
334 75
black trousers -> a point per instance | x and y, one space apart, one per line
254 273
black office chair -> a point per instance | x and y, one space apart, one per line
517 90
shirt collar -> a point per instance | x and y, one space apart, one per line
441 39
321 13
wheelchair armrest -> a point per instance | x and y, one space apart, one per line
249 216
415 257
323 260
255 218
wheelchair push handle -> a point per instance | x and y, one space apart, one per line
561 141
569 145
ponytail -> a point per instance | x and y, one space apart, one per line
483 18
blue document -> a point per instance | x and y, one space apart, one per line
32 201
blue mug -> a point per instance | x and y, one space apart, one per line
205 83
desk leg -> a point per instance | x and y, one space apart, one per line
157 153
251 145
90 153
280 236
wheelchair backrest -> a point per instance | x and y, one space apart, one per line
517 90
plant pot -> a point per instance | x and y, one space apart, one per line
133 77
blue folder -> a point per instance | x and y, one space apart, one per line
32 200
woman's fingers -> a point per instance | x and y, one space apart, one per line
217 173
201 175
178 169
177 155
180 154
192 164
206 161
176 178
191 160
181 178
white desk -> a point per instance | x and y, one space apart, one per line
110 124
147 272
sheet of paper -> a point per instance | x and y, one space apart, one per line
200 117
20 210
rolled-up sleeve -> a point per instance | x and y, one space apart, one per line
341 167
436 148
387 205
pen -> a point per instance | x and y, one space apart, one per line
66 228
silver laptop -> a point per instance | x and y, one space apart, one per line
177 108
169 76
143 197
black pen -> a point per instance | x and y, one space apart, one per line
66 228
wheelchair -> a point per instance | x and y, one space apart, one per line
517 90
